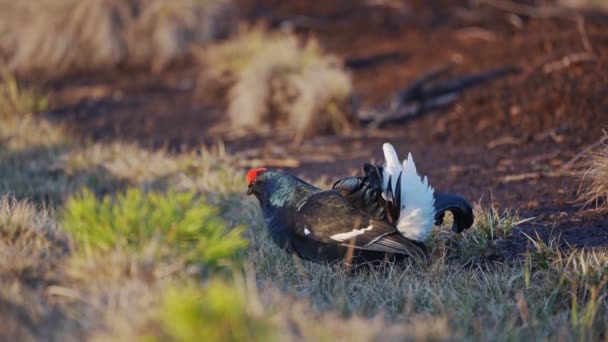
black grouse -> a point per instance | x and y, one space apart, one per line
386 214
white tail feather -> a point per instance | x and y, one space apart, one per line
417 214
392 167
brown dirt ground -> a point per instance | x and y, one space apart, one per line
507 141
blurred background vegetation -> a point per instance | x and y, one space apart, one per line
104 238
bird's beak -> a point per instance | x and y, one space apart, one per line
249 192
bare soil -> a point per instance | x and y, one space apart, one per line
509 141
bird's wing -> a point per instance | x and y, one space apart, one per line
330 218
364 194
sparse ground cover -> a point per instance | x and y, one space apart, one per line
115 241
105 238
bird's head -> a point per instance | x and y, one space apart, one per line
255 181
276 188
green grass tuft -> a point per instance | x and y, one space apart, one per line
182 221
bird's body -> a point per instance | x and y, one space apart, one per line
385 215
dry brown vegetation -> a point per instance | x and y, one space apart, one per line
594 186
32 249
279 81
55 37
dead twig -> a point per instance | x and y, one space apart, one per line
537 175
568 60
269 162
476 33
505 141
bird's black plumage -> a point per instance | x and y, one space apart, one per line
370 189
352 222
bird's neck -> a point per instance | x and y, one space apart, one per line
282 203
286 193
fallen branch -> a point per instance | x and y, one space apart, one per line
537 175
426 94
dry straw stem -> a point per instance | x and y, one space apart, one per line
594 183
280 81
56 37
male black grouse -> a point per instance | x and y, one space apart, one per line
387 214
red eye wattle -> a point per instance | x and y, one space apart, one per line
253 173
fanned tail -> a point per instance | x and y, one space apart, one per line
409 194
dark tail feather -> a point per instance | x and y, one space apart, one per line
460 208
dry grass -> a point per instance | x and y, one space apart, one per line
594 185
17 100
280 81
481 244
40 160
31 249
55 37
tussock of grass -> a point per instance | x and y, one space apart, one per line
481 243
30 242
183 221
20 128
31 252
280 81
68 35
594 186
16 100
